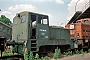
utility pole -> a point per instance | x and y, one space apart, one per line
61 24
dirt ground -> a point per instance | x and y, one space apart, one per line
76 57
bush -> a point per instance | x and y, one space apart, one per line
68 53
89 50
31 57
46 58
7 53
82 52
37 57
76 52
57 53
28 56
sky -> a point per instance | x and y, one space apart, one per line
59 11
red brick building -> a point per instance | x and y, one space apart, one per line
80 31
79 26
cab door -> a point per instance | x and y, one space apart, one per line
43 28
42 32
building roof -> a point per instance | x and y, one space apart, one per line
4 24
73 19
80 15
85 14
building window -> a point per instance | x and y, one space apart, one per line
1 28
4 30
83 36
83 30
79 21
86 30
8 31
86 36
86 22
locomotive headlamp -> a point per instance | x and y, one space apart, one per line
18 15
18 36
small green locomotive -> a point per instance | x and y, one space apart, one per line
31 32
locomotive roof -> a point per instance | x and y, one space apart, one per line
58 27
33 13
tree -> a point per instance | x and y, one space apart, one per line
5 20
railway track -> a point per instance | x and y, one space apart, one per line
14 57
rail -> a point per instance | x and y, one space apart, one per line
13 57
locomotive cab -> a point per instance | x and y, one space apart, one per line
38 23
29 30
28 25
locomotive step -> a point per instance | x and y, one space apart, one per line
33 39
33 43
33 47
34 51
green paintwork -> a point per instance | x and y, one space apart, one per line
42 32
28 45
19 49
45 35
58 36
20 29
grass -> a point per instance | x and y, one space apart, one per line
7 53
57 54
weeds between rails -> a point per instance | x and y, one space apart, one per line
57 54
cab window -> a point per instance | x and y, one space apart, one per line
23 18
15 20
42 20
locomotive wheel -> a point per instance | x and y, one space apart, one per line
50 54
